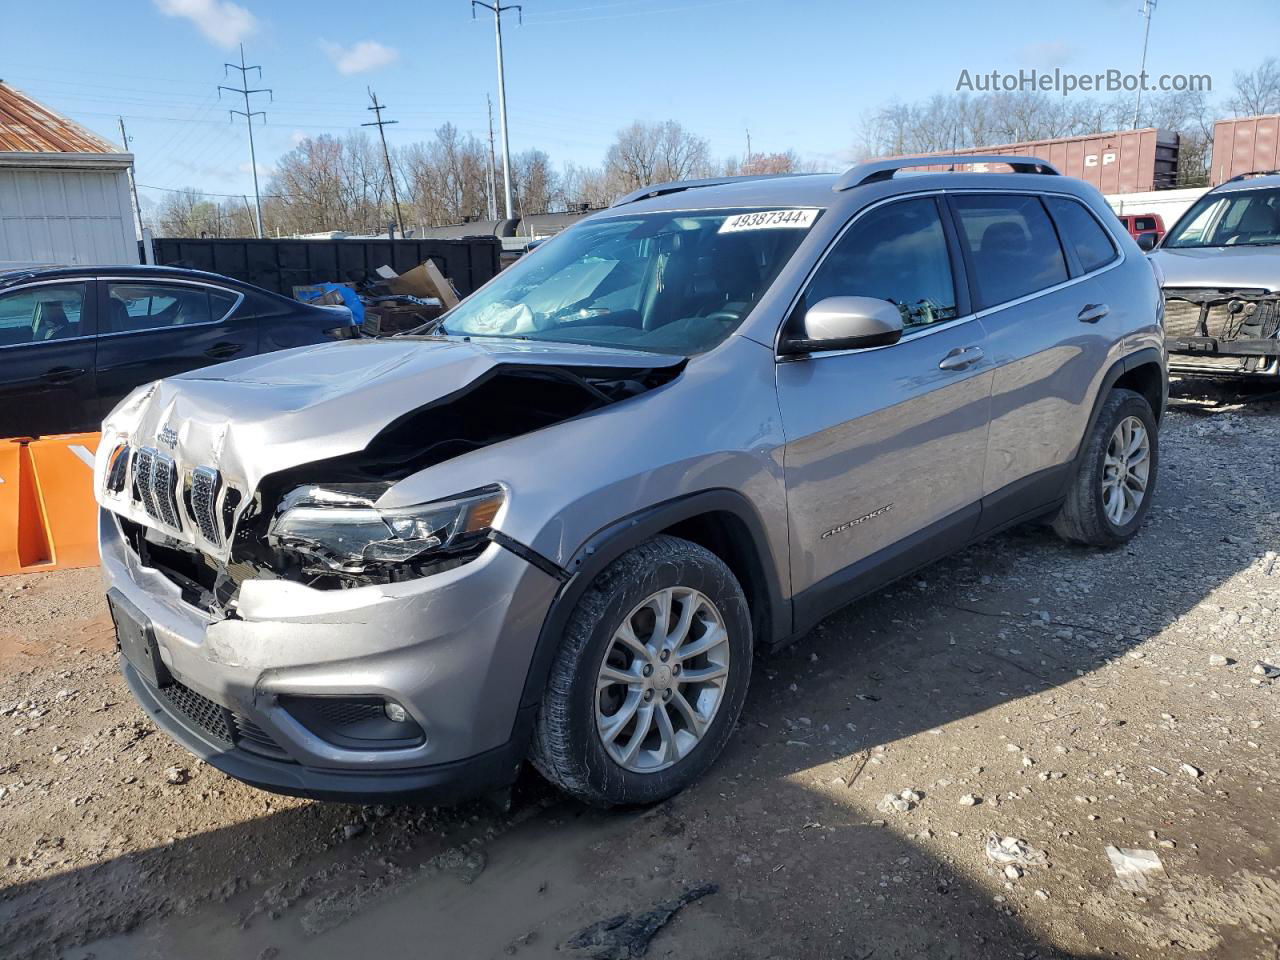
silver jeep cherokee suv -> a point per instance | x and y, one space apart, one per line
557 525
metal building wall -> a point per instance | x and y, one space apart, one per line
52 215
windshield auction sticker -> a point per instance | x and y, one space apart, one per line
769 220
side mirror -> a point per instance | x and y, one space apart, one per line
845 323
1146 241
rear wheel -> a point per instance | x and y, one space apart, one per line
649 679
1112 490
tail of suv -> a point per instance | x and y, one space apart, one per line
556 526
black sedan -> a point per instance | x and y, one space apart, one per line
75 340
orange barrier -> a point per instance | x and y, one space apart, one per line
48 518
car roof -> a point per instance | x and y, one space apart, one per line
1248 182
142 271
855 187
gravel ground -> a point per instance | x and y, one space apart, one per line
1059 699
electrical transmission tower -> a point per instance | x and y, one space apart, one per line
248 113
377 109
498 9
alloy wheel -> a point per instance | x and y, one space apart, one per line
662 680
1126 469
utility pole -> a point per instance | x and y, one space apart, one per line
498 9
748 145
377 109
133 183
248 115
493 165
1147 9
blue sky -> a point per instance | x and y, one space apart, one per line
799 75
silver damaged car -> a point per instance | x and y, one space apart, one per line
1221 272
558 525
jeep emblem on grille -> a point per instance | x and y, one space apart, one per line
168 436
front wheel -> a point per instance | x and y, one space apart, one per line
1113 486
649 678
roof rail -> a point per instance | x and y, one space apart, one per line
876 170
1253 173
676 186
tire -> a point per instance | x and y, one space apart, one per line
1085 517
569 746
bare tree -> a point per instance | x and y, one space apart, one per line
536 189
327 183
447 178
1257 91
758 164
584 185
646 153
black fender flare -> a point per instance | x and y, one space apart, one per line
1126 364
609 543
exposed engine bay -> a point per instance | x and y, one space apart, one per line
318 522
1231 330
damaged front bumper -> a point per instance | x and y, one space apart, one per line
263 695
1223 331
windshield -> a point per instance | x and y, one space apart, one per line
675 282
1241 218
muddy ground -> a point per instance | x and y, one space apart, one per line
1068 698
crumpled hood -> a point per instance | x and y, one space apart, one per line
1220 266
253 417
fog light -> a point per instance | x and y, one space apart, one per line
395 712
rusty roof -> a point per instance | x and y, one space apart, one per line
29 127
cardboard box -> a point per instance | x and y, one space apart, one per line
424 281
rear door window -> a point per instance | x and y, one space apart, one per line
1082 233
1011 244
134 307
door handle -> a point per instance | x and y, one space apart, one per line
961 358
220 351
63 374
1093 312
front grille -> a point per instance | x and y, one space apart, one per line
210 717
198 500
155 485
205 482
342 712
224 726
253 738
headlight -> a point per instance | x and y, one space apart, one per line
340 527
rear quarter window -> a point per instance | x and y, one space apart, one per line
1082 233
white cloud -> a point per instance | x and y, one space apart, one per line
221 21
361 57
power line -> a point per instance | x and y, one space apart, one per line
248 113
210 193
498 9
377 109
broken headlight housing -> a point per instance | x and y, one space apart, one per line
337 530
